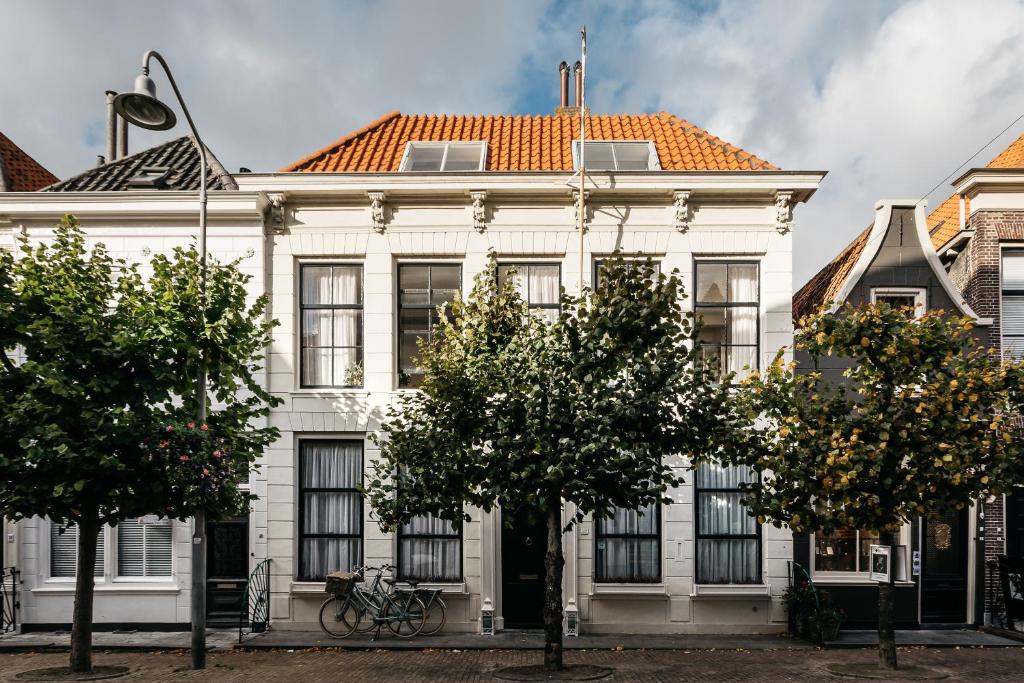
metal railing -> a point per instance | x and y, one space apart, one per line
255 608
9 600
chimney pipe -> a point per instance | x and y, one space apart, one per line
111 127
100 160
122 137
563 75
579 85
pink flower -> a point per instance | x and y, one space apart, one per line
206 472
217 455
204 427
190 425
184 458
164 444
170 428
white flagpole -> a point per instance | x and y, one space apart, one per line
583 149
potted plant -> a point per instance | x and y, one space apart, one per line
825 623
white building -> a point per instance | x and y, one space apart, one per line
356 244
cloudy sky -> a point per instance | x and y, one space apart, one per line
888 96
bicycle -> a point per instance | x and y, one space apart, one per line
436 611
345 610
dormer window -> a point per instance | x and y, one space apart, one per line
150 178
605 155
444 156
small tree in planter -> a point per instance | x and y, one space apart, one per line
95 362
920 426
516 411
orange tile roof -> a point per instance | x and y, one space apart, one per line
528 143
943 225
21 172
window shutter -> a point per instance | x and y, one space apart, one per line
64 552
144 550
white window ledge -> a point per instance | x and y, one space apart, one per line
319 587
825 580
150 588
629 589
327 392
732 591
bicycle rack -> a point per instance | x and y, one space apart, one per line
9 603
255 607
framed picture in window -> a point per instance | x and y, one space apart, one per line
881 563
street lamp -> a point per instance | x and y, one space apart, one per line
143 109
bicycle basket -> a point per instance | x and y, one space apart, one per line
339 583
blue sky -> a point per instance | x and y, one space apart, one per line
888 96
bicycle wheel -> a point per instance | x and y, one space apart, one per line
368 624
435 617
405 617
340 616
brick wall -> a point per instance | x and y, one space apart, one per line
976 272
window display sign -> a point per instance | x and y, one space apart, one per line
881 563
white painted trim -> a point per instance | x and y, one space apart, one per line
920 295
883 216
600 589
762 590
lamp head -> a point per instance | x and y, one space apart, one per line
142 108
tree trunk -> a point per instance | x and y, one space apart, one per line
886 633
553 563
81 627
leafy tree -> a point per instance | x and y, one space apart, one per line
920 424
92 370
516 411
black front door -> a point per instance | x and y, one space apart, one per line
944 569
1015 523
522 570
227 569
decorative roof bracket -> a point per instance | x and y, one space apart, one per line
377 210
576 207
479 210
783 212
684 210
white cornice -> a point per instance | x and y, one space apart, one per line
976 178
156 205
756 183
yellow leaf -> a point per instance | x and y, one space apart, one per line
865 342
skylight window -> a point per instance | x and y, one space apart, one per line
444 156
617 156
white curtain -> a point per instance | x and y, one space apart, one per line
430 550
316 285
742 319
721 513
331 519
347 282
627 546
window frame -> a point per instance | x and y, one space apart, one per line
658 536
115 567
412 145
641 258
697 261
903 537
1003 292
109 545
402 575
653 160
698 537
301 503
399 306
361 307
920 295
527 264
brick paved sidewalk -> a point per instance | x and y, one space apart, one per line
631 666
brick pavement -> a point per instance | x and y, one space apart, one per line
631 666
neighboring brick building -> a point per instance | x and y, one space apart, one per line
986 256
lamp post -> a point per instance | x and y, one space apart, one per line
143 109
